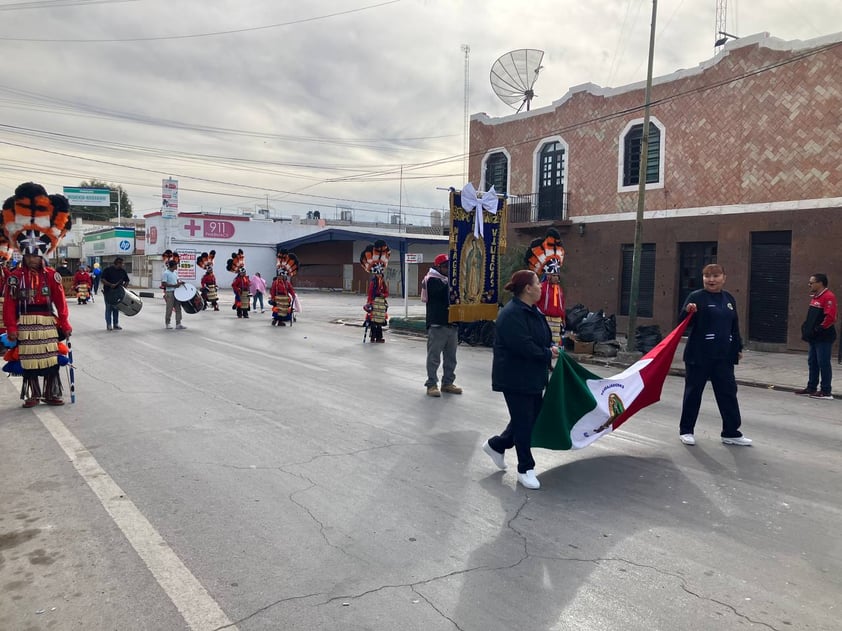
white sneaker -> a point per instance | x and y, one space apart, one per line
687 439
180 326
498 458
737 440
529 480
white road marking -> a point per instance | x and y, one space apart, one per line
199 610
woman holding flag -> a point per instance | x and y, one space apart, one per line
523 352
713 347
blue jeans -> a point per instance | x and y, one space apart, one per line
258 296
112 314
818 361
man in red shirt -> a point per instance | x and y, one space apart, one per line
819 330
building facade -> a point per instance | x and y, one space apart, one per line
328 255
743 169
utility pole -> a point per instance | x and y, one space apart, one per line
400 202
641 191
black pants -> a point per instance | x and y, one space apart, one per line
720 373
376 331
523 412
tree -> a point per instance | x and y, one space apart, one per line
103 213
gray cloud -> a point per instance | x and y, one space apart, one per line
366 91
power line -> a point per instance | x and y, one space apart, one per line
49 4
198 35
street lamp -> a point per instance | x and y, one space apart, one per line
722 40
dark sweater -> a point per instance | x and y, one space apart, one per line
438 302
715 328
522 353
114 276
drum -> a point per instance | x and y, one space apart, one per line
130 303
190 298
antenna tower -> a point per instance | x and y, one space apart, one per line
467 50
720 27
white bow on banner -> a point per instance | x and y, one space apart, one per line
470 202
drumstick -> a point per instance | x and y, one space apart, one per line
71 372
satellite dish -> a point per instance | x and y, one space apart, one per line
514 74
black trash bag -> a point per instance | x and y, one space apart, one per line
479 333
609 328
597 327
574 316
611 348
590 327
647 337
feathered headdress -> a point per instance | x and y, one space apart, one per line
287 264
375 257
168 256
237 262
546 256
205 260
34 222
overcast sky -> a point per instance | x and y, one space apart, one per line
313 104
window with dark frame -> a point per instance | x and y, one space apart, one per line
551 182
632 144
646 290
497 172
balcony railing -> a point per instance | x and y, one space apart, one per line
534 207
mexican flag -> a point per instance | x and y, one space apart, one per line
581 407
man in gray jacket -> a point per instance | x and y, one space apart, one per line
442 336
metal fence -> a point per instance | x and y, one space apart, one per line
534 207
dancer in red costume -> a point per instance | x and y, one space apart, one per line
375 260
34 307
282 294
210 290
545 257
82 283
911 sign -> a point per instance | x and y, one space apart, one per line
215 229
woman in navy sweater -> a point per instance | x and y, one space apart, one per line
713 347
523 350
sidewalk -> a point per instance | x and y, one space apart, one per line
774 371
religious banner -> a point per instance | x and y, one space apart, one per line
477 239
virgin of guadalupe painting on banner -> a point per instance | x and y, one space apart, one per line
477 239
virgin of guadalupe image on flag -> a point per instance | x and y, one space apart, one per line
477 239
580 407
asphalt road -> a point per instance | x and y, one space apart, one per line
238 475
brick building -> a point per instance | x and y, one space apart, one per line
744 169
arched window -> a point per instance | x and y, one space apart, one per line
631 143
497 172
